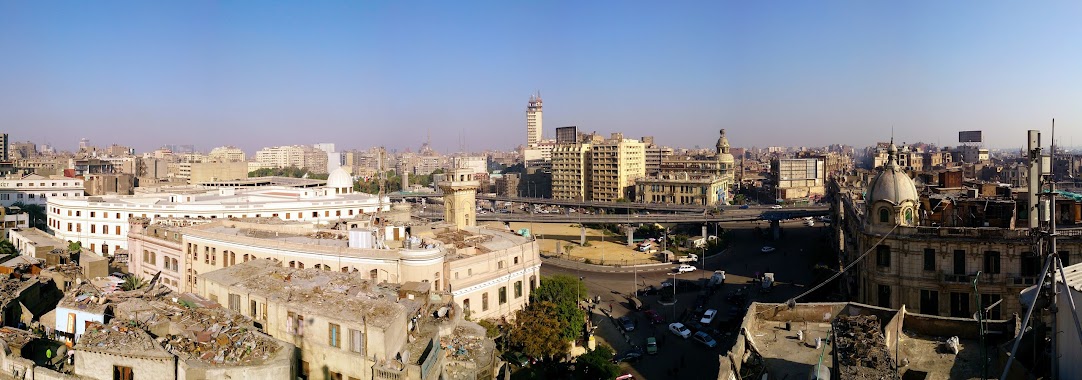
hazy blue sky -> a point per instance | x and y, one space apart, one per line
365 73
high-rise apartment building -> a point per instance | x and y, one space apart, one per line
615 164
304 157
571 172
227 154
5 152
533 120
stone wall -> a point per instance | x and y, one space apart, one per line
99 365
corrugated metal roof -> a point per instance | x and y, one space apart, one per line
1074 276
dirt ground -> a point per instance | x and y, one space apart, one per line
609 249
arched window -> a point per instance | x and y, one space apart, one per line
909 216
318 266
884 215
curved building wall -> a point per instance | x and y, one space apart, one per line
101 223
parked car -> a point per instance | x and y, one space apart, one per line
516 358
744 207
680 330
775 207
767 249
654 317
685 268
705 339
627 324
630 356
651 346
708 316
717 279
694 324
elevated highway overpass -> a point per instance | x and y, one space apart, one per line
590 204
738 215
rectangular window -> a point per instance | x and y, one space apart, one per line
484 301
959 262
333 337
356 341
253 308
1030 264
884 296
518 289
991 262
503 295
929 259
882 256
499 264
118 227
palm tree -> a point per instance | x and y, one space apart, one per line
132 282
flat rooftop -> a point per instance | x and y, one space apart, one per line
39 237
864 342
343 296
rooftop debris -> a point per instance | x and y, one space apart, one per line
861 347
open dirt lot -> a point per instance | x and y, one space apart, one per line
608 249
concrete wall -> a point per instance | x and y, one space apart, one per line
98 365
81 317
281 366
219 171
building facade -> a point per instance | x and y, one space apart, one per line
534 121
615 164
227 154
101 223
571 172
928 259
36 189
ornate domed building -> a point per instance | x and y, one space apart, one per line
892 198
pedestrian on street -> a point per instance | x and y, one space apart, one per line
610 307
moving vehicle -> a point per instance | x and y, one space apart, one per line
775 207
809 223
627 324
708 316
684 268
768 282
680 330
767 249
690 258
718 278
705 339
651 346
744 207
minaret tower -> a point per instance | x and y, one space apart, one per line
533 120
460 198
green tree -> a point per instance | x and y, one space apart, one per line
597 364
538 330
7 249
291 171
564 292
35 212
74 246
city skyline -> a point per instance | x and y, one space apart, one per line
369 74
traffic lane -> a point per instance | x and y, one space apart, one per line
673 351
791 261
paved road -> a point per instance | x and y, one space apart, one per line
728 216
741 263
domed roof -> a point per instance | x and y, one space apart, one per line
723 149
892 184
339 179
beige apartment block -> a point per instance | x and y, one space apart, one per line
571 172
615 164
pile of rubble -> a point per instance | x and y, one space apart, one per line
462 239
117 335
218 338
861 347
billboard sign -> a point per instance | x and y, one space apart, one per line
969 136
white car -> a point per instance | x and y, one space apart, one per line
775 207
680 330
685 268
767 249
708 316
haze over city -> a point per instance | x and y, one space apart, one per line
362 74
